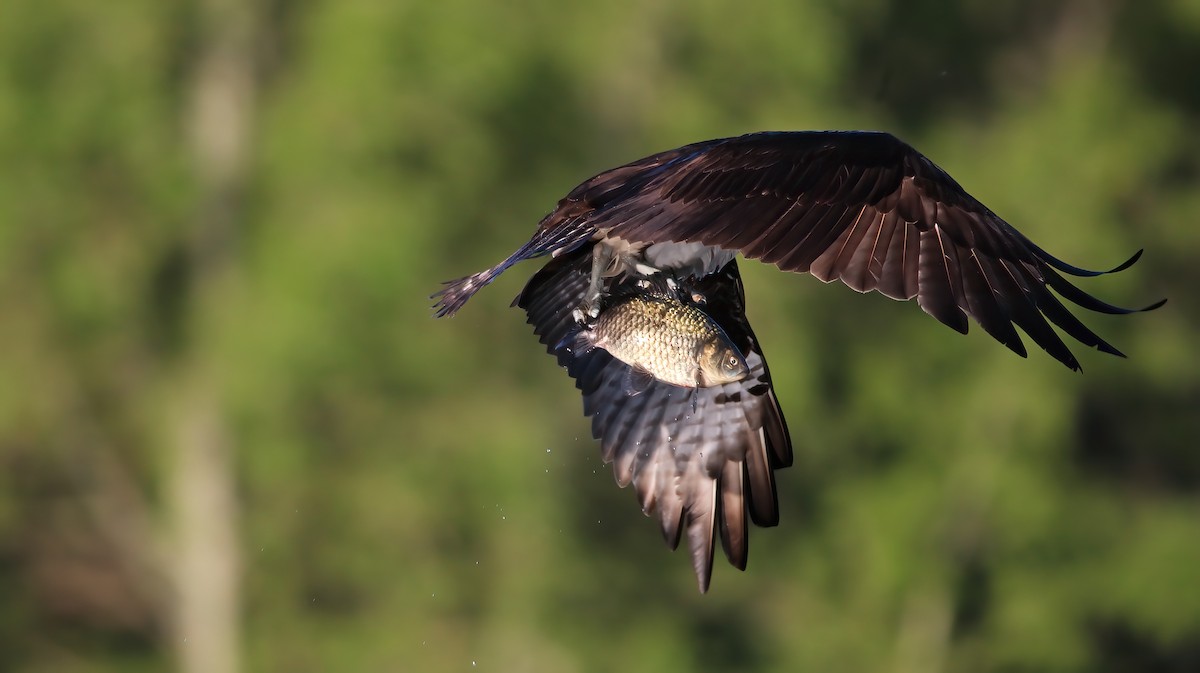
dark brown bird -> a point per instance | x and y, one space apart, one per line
860 207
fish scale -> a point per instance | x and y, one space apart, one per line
674 342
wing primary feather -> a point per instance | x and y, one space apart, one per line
986 306
1028 315
937 295
775 427
732 514
700 527
1077 296
1058 314
760 480
1075 270
670 517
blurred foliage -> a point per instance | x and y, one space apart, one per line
420 495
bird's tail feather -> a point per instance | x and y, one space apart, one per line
455 293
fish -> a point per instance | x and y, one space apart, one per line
660 336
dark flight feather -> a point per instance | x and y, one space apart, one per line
860 207
702 458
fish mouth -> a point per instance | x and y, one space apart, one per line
709 379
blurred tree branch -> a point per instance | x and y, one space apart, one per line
207 561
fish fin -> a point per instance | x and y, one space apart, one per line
580 341
637 380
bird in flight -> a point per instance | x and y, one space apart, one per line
863 208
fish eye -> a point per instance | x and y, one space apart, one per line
732 362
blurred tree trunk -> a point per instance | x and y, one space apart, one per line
218 124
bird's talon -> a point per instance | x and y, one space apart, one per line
586 313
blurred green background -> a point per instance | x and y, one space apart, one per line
232 437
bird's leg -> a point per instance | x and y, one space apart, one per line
589 307
631 260
642 269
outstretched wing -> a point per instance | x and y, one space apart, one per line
567 226
702 459
860 207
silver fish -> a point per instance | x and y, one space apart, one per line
659 335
